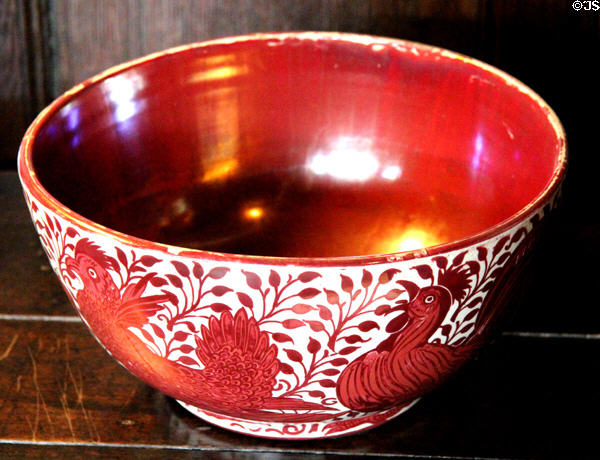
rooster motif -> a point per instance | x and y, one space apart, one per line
405 365
240 363
100 299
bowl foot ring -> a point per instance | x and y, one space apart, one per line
328 428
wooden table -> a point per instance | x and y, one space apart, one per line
532 393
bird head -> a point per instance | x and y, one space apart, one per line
90 265
430 300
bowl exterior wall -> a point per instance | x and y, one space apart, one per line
282 350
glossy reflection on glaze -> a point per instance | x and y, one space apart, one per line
298 148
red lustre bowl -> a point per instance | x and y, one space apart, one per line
294 235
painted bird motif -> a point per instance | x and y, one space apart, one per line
405 365
240 363
100 299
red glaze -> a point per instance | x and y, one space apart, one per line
307 147
179 149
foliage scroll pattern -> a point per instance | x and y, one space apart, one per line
289 341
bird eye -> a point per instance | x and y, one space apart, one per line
92 273
429 299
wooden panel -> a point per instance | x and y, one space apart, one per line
51 392
555 49
24 49
91 35
14 90
27 283
61 452
430 21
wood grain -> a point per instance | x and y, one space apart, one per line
50 391
115 453
91 36
27 283
14 90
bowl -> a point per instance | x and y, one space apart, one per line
293 235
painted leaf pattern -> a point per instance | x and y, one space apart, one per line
283 345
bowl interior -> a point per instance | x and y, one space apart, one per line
298 147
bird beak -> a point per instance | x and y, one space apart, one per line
411 288
72 266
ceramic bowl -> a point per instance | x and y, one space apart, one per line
294 235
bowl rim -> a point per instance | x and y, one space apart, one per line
32 185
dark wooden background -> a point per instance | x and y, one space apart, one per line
548 356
